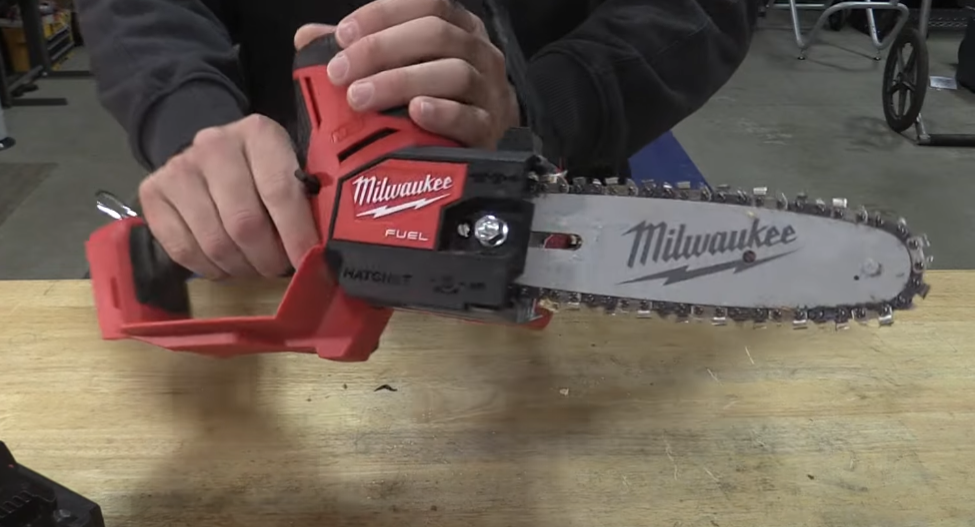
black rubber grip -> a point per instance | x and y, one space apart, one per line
318 52
159 281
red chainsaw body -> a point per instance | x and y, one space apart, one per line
365 197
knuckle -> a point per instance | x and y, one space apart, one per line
445 32
255 124
471 77
276 268
478 24
217 246
399 80
148 191
245 226
466 75
471 47
180 168
209 137
441 8
380 10
495 59
371 47
182 252
280 190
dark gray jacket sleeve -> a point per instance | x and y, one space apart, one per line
634 70
165 69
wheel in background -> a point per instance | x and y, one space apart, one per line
905 79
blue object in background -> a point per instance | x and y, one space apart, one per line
665 161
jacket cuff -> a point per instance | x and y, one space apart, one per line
573 112
172 122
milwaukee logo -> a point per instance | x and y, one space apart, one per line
661 243
377 194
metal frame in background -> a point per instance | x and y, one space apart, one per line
839 7
42 65
909 77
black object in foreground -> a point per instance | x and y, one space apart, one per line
28 499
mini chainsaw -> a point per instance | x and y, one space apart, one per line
410 220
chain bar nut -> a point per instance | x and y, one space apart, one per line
491 231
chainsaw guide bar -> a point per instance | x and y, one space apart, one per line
684 253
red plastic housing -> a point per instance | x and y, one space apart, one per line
315 316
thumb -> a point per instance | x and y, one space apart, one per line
309 32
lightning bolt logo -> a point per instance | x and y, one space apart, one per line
386 210
685 273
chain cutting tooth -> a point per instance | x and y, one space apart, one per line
577 185
886 316
758 196
800 319
557 182
573 301
839 207
862 215
760 318
610 305
632 189
923 289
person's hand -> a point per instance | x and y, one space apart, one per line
230 204
432 55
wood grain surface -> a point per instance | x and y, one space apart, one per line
595 422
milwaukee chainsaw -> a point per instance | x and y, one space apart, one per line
410 220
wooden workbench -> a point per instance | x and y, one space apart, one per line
596 422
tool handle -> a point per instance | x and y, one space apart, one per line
342 137
159 280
